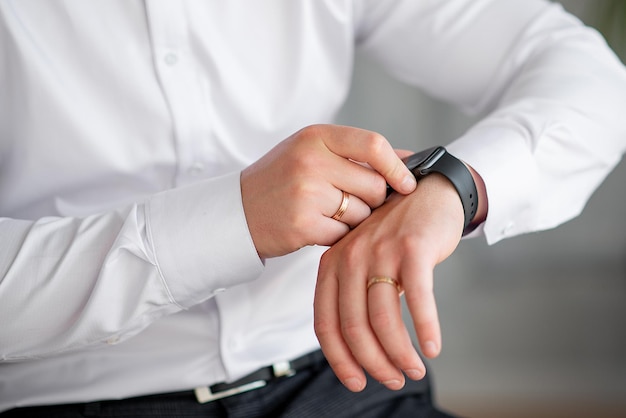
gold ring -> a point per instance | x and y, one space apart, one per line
384 279
345 200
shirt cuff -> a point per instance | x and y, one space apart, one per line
201 239
505 163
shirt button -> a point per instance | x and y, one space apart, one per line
170 58
113 340
508 228
196 169
235 344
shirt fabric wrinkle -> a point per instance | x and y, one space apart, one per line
143 152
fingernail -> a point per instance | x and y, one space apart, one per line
353 384
408 183
393 384
415 374
430 349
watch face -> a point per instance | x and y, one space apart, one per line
421 162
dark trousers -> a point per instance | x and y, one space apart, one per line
314 392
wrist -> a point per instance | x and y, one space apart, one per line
483 202
438 160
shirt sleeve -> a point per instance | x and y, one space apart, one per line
65 282
549 92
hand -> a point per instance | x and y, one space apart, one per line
291 193
404 239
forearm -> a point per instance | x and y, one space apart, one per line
550 92
75 282
557 129
63 281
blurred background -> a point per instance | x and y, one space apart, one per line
533 326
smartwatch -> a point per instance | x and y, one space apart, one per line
438 160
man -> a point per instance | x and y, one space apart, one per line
161 241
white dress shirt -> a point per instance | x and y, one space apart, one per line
126 265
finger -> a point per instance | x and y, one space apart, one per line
328 331
423 309
359 180
351 210
330 230
373 149
385 315
359 335
402 153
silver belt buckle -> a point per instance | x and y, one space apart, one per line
283 368
204 394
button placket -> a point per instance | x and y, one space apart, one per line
169 29
170 58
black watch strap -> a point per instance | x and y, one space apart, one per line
460 176
438 160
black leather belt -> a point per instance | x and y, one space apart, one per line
257 379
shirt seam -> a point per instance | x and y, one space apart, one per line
150 242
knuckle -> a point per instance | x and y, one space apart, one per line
325 260
375 143
304 162
422 292
379 184
351 330
352 254
379 249
308 131
323 328
415 244
377 190
382 320
311 132
301 192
